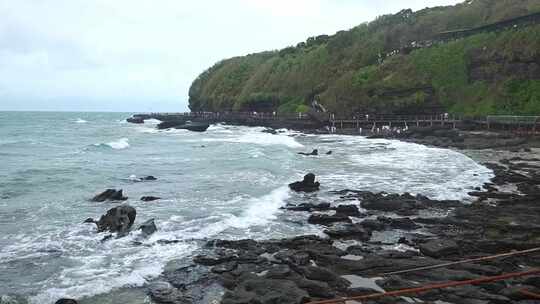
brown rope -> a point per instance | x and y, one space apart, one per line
431 287
486 258
530 294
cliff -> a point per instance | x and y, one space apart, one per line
478 57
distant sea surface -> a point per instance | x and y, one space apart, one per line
228 182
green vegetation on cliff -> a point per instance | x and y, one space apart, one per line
354 70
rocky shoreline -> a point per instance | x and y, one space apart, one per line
364 236
349 260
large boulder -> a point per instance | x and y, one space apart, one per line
135 120
110 195
307 185
325 219
439 248
347 230
148 227
350 210
118 219
254 289
66 301
312 153
150 198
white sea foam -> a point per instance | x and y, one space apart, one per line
255 136
438 173
96 267
152 121
120 144
80 120
258 211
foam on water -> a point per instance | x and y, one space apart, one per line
80 120
257 137
257 212
114 264
407 167
122 143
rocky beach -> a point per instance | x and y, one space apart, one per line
353 213
351 259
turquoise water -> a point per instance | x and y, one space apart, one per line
226 183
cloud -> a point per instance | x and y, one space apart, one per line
139 55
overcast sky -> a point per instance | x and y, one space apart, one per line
142 55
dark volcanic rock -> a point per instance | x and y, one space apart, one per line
148 227
149 198
170 124
349 210
309 207
325 219
254 289
163 292
307 185
353 231
149 178
312 153
110 195
403 223
439 248
135 120
118 219
66 301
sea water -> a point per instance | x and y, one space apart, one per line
228 182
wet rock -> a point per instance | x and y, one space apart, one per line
135 120
352 231
293 257
325 219
149 178
148 227
225 267
150 198
215 257
254 289
66 301
349 210
403 223
439 248
309 207
306 185
118 219
270 131
278 272
90 221
163 292
329 153
312 153
374 225
110 195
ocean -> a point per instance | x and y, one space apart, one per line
228 182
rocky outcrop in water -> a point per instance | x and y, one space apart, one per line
150 198
66 301
110 195
118 219
315 152
148 227
307 185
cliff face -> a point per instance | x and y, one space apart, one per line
407 62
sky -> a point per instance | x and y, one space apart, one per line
142 55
